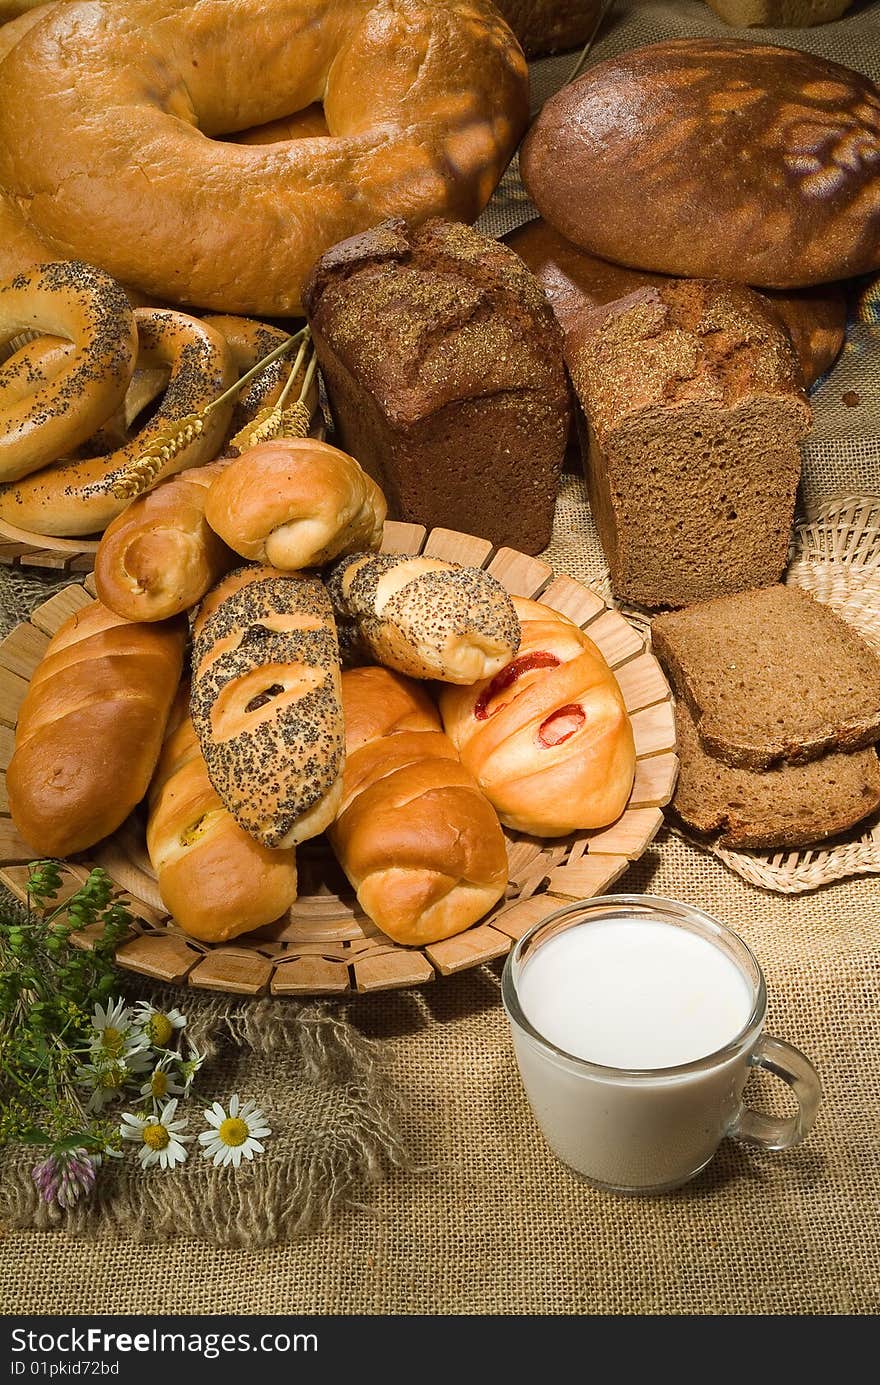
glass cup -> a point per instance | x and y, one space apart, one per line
646 1131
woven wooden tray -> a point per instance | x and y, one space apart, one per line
21 548
326 945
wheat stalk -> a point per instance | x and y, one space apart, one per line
142 472
276 421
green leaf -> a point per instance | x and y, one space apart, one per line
77 1141
33 1136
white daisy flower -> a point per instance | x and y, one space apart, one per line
157 1026
114 1039
235 1136
161 1137
188 1067
161 1083
106 1081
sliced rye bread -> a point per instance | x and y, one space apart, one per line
693 413
791 806
771 676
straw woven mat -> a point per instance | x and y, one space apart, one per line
492 1224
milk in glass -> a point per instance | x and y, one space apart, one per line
632 997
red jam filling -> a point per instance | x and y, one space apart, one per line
509 674
561 724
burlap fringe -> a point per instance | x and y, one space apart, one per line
281 1196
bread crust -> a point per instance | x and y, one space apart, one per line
574 280
425 617
82 305
415 836
265 702
443 366
551 746
160 556
694 413
550 26
215 879
90 728
296 503
779 14
757 163
78 496
113 112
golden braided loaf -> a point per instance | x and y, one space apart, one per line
415 836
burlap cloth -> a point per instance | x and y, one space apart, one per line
491 1223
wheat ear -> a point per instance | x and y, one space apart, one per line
142 473
277 421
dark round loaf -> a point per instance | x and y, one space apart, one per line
714 159
550 26
815 318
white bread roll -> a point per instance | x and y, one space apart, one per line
548 738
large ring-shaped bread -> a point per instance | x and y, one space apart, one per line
112 114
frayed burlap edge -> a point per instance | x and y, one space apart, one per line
295 1188
282 1196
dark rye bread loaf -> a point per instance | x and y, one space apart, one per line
714 159
694 414
789 806
550 26
771 676
444 371
572 279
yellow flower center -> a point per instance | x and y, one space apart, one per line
233 1131
156 1136
160 1029
112 1041
111 1078
159 1083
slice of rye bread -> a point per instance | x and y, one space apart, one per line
771 676
790 806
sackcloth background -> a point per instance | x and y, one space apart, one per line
407 1175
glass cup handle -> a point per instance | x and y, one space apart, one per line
772 1132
